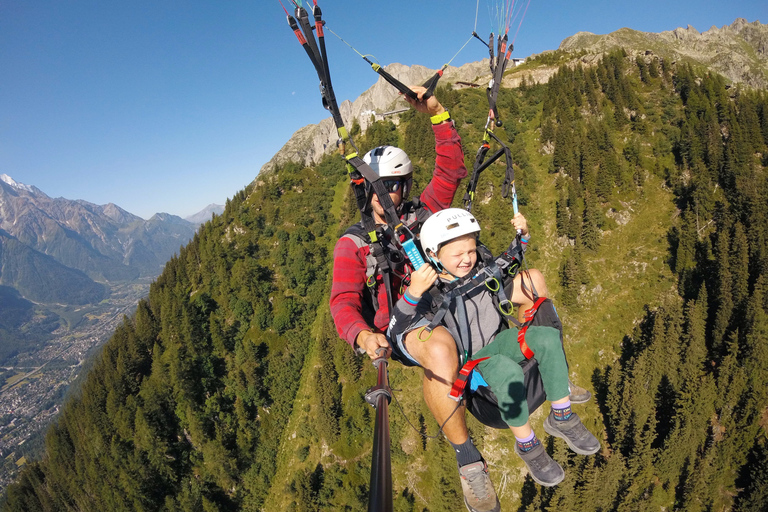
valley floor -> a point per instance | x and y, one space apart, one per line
37 383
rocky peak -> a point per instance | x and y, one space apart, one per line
686 34
20 187
205 214
168 218
738 51
118 215
310 143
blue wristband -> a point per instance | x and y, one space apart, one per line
410 299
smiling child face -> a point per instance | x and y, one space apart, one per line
459 255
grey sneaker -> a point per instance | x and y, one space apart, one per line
578 395
479 495
579 439
543 469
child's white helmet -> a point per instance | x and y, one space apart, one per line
446 225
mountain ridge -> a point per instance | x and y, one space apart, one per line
746 61
104 241
738 51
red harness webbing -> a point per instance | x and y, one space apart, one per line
529 314
457 390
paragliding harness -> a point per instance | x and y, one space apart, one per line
496 274
383 262
479 398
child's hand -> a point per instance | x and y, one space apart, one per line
422 280
519 222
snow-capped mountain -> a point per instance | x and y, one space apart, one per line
104 242
20 186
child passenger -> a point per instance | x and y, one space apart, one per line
449 239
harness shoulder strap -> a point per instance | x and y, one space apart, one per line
377 262
357 234
414 214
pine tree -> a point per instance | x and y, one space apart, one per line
723 290
653 69
739 265
565 149
562 218
570 282
576 208
591 226
607 174
418 141
754 495
685 255
547 130
328 389
755 353
643 69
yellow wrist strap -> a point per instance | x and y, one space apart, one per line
439 118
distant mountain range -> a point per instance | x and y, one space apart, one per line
204 215
69 251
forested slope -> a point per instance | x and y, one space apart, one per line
646 189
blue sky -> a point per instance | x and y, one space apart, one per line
170 105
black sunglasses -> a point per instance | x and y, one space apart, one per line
393 185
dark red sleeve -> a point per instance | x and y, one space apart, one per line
449 168
349 266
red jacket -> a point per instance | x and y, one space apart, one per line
351 310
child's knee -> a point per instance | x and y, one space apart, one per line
443 347
537 278
544 341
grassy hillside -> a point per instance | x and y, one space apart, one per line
645 186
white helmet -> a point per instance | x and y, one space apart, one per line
446 225
389 161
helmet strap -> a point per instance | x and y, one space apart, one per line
440 268
436 263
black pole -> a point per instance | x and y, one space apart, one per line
380 499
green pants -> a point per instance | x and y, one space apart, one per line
504 374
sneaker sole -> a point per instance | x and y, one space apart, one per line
580 399
547 484
470 509
551 431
